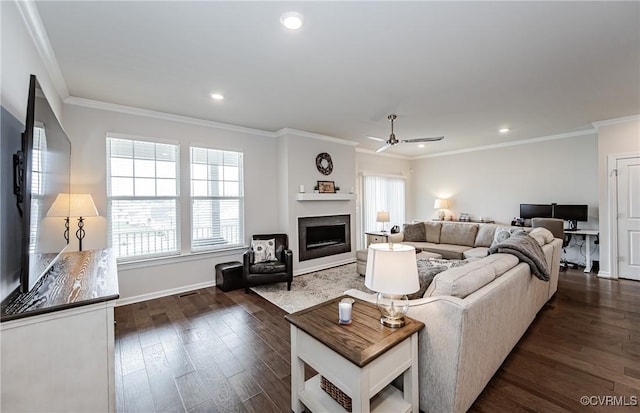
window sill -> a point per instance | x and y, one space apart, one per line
175 259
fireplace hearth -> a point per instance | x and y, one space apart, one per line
323 236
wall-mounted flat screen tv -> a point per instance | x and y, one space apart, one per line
41 171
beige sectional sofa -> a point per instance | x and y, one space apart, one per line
453 240
474 315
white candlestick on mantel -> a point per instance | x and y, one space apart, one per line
301 190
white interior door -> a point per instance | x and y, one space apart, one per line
628 171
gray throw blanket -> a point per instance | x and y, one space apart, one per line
527 250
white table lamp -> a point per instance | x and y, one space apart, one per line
74 205
382 216
392 272
441 205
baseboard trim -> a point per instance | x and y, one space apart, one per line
163 293
178 290
324 266
606 274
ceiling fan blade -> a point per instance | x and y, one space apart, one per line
382 148
433 139
376 139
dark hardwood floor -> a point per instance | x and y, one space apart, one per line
209 351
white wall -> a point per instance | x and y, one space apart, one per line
87 128
493 183
298 167
614 138
19 59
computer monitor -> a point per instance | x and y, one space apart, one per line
528 211
572 213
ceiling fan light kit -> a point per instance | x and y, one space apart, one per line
393 141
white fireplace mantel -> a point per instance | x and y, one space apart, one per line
312 196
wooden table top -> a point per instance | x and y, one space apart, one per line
363 340
77 279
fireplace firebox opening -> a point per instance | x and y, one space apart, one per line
323 236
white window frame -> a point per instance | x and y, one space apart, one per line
176 198
240 236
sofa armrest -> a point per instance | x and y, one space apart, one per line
398 237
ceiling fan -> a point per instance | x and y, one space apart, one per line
393 141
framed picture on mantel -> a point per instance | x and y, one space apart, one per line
326 187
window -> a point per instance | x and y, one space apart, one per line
142 195
382 193
217 199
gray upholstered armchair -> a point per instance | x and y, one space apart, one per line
271 267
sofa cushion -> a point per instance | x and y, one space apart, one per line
428 269
433 230
477 252
448 251
541 235
415 232
458 234
501 263
461 281
422 245
485 235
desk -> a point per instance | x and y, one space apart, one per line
588 233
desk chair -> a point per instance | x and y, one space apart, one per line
556 227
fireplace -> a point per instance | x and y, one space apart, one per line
323 236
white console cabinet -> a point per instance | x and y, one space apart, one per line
60 357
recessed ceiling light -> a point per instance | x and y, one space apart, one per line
503 130
292 20
421 145
217 96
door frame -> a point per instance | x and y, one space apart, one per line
612 180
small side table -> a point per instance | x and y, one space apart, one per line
377 237
361 359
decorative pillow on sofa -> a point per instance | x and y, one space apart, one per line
428 269
502 233
264 250
415 232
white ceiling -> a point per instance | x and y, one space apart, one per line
459 69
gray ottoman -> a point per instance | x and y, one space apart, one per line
361 261
426 255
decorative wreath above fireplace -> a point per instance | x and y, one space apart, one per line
324 163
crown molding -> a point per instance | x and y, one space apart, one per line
512 143
130 110
615 121
311 135
34 25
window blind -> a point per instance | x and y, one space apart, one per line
142 197
217 199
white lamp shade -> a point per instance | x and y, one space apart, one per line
73 205
392 270
382 216
441 204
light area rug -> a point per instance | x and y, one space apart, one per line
316 287
313 288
